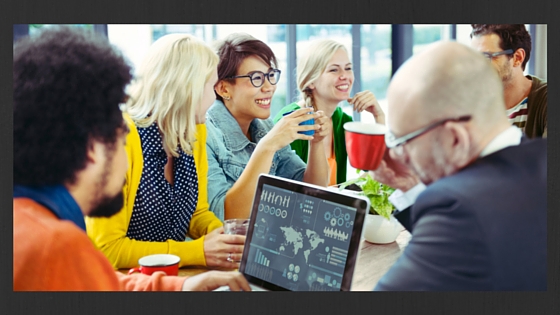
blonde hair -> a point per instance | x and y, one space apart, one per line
312 64
169 87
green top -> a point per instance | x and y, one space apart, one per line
339 118
537 106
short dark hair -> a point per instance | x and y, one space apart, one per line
233 49
68 84
513 36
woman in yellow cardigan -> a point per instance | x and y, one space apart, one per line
165 194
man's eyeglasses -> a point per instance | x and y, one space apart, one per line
396 144
499 53
257 77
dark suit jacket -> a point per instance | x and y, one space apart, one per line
483 228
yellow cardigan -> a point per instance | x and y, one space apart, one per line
109 234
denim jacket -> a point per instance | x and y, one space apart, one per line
229 151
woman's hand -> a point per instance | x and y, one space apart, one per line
365 100
223 250
286 129
325 129
211 280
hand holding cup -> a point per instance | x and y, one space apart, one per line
326 126
236 227
291 127
223 250
305 123
393 173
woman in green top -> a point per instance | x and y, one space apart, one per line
325 78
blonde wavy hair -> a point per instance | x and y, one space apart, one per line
312 64
169 86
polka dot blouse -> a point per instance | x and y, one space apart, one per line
163 211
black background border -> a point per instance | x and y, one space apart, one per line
304 12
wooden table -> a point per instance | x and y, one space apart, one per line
373 262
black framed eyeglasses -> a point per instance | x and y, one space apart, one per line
498 53
257 77
396 144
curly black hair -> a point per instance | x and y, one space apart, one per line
68 84
513 36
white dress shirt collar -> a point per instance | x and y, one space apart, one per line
509 137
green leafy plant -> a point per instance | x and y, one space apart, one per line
377 193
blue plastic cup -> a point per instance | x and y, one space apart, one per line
307 122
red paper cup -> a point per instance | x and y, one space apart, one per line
365 144
160 262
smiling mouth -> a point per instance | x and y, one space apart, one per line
343 87
263 102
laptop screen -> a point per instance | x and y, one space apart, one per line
302 237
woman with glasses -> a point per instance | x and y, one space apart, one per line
165 194
242 140
324 79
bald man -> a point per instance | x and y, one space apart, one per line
477 185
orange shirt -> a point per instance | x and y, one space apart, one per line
332 166
55 255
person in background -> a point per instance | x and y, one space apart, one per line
70 161
508 46
166 181
325 78
457 164
242 140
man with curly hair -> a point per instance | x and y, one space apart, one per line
508 46
70 161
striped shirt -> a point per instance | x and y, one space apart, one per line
518 114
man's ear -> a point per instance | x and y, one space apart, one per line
518 57
95 152
460 144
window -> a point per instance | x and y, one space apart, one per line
424 34
34 27
22 30
135 39
464 34
376 63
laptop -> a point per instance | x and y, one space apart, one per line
302 237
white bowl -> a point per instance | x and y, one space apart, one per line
379 230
